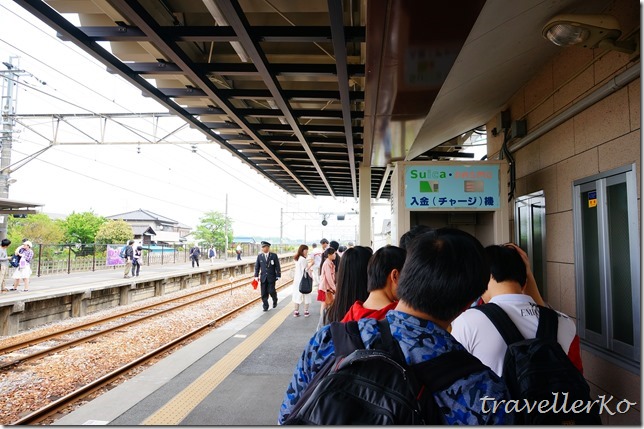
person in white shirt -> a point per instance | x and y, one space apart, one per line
302 265
509 275
316 256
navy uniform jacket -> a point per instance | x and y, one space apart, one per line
270 269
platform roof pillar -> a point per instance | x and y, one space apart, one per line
365 233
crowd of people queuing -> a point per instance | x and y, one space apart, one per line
426 290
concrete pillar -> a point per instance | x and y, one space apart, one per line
183 282
364 199
79 304
126 295
159 288
10 318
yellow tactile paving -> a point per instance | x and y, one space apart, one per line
182 404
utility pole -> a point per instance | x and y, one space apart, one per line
226 230
8 105
281 224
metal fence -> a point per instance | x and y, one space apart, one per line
67 258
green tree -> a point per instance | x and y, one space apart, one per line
211 229
82 227
114 232
38 228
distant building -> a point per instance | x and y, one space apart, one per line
244 240
151 228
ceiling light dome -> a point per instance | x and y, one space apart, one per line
585 30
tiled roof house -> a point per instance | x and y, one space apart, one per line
152 228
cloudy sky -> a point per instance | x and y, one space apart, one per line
173 180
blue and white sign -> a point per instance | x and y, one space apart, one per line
470 186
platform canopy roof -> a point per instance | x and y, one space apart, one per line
306 91
8 206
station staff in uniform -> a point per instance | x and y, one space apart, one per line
269 264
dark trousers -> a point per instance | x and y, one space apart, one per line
136 268
194 259
239 256
268 288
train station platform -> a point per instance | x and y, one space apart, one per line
58 297
235 375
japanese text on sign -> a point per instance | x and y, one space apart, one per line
443 187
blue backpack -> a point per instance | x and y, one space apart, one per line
123 252
375 386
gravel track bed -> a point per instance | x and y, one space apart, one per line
32 385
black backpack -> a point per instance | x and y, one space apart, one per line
374 386
15 261
536 369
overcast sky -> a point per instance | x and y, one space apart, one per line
170 179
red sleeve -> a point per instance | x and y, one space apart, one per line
574 354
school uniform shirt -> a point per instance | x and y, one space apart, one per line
420 340
357 312
480 337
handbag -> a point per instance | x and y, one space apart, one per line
306 284
329 297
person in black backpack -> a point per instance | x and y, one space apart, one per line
510 316
195 252
129 258
444 272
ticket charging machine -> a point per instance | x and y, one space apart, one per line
470 196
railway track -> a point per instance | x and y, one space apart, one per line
92 330
63 402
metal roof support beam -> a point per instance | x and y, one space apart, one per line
236 18
248 69
314 114
340 51
385 178
317 129
137 13
49 16
281 34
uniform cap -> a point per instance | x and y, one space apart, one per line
265 243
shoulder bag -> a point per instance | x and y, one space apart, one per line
306 283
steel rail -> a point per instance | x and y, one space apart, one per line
38 340
88 337
44 412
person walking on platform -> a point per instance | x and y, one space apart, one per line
269 264
24 268
302 265
4 263
194 255
239 252
212 255
129 258
137 260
